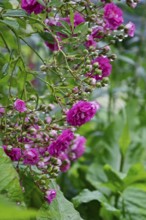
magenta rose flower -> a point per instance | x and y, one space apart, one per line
81 112
50 195
13 153
78 148
62 143
31 156
20 105
31 6
130 29
113 16
104 66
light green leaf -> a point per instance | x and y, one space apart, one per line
59 209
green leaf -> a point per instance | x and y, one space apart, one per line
9 180
47 37
133 203
5 70
12 23
136 173
15 13
83 28
59 209
72 18
41 2
5 4
55 3
126 59
125 139
86 196
66 27
10 211
115 182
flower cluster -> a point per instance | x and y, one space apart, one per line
80 41
43 144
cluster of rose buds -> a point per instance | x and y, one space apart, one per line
32 140
79 40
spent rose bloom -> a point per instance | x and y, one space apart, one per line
13 153
20 105
104 66
113 16
50 195
81 112
31 6
130 29
61 143
31 156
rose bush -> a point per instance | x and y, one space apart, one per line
55 55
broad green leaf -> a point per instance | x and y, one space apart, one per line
15 13
136 173
95 175
10 211
115 182
59 209
125 139
86 196
9 180
133 203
